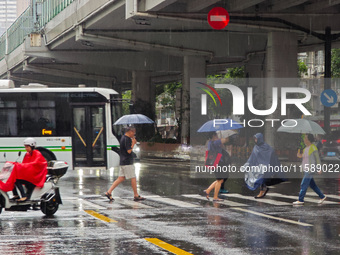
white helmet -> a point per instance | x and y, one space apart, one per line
30 141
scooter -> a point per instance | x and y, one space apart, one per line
46 198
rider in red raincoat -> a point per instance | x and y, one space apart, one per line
31 172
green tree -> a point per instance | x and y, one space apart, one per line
166 94
335 59
126 96
236 72
302 68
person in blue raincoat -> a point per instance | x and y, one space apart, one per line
256 168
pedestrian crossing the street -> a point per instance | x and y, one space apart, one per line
196 200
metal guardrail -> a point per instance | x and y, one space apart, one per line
51 8
2 46
34 18
15 34
19 29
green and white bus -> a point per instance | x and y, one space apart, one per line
76 124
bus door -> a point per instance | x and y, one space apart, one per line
88 136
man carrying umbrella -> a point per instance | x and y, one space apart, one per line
127 169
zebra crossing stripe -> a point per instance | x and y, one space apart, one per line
182 204
306 199
225 202
273 217
135 205
171 201
262 200
313 194
88 204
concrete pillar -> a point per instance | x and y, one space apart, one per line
118 88
143 98
281 62
142 88
282 49
143 93
193 67
255 69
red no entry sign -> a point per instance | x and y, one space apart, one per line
218 18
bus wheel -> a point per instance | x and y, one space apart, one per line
50 207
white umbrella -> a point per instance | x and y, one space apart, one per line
133 119
225 133
301 126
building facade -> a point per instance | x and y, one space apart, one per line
9 11
22 6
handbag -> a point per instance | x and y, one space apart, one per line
212 158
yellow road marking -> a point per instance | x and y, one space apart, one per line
272 217
99 216
167 246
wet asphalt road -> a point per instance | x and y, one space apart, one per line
175 217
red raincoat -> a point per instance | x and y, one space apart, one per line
33 169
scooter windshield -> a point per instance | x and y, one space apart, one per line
6 171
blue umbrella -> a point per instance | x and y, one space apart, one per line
133 119
219 124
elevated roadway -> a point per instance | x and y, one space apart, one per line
105 41
139 43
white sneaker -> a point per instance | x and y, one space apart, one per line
321 200
298 203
